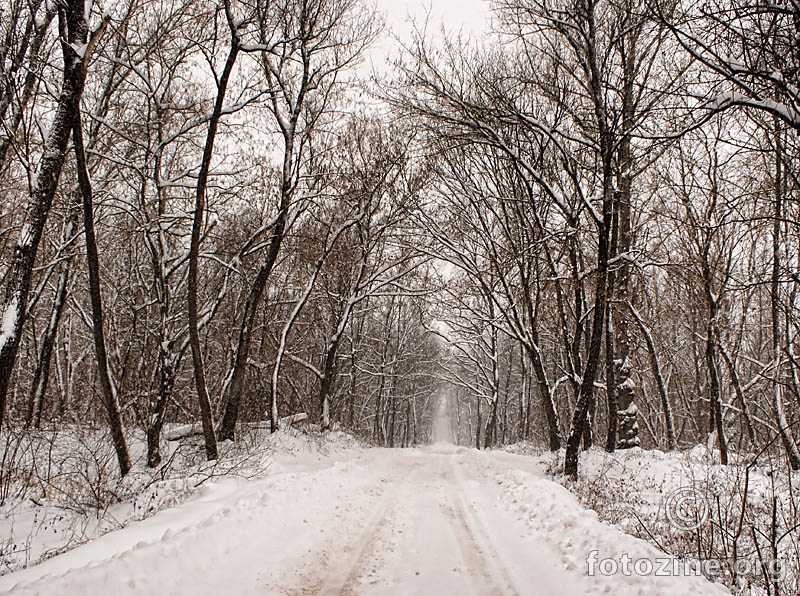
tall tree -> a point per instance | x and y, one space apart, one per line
108 393
76 45
222 80
304 48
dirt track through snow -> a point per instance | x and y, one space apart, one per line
420 519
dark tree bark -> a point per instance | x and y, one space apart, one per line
301 302
166 384
326 383
300 72
287 118
580 416
712 365
606 142
201 386
789 444
41 375
548 405
106 388
491 426
662 386
478 424
227 427
407 425
737 387
74 34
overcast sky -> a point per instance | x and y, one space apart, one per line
469 16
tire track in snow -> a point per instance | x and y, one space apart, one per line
344 563
339 572
340 581
476 545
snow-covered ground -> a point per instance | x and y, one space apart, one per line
738 522
438 520
60 488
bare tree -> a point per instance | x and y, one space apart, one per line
304 48
22 58
222 80
76 46
98 334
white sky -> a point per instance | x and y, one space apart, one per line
471 17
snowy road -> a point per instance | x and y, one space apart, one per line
433 521
422 534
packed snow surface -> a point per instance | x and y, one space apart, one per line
438 520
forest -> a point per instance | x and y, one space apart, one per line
581 229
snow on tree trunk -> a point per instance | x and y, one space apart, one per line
627 412
627 424
41 375
14 309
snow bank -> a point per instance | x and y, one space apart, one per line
574 533
734 516
62 488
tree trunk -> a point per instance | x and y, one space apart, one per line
737 386
393 413
789 443
354 341
713 381
74 33
491 427
611 385
478 424
13 96
98 334
41 375
624 385
406 433
328 378
301 302
523 399
662 386
276 369
548 403
579 418
194 249
588 429
166 384
227 427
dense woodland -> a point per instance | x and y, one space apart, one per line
581 229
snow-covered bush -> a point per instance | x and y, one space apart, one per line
61 488
748 518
